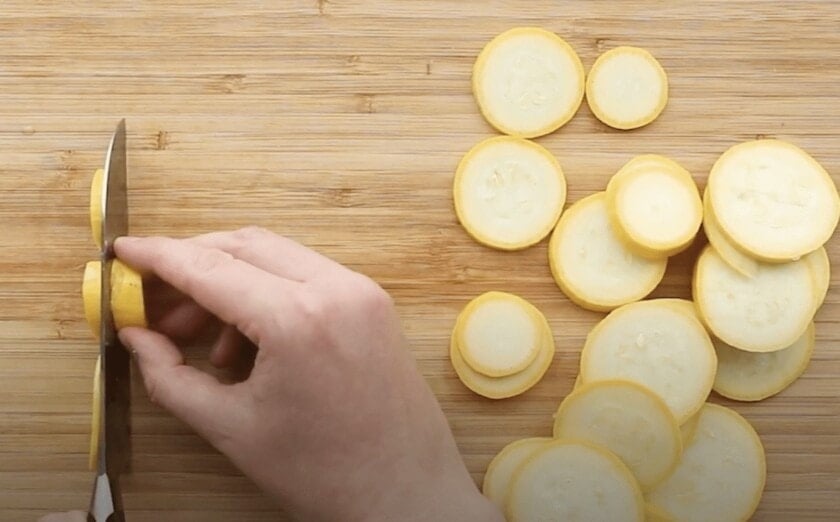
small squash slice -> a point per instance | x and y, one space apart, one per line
722 472
499 334
763 313
821 273
773 200
509 385
751 376
528 82
574 481
658 345
627 88
500 470
656 206
734 256
592 265
509 192
627 419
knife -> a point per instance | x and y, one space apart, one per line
114 430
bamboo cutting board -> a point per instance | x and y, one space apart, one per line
339 123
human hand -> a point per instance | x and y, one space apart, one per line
334 419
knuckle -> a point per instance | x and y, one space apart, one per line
370 297
208 260
315 307
251 233
153 388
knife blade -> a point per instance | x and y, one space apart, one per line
114 435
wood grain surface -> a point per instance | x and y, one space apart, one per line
340 123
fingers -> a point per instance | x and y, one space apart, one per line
212 409
232 289
225 353
234 353
184 321
271 252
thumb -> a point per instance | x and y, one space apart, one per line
212 409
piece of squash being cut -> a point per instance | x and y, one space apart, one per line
96 415
96 206
91 296
126 296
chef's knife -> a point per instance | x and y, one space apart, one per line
114 431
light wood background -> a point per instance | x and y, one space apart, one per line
339 123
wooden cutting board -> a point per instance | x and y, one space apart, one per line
339 123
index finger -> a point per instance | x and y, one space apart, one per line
235 291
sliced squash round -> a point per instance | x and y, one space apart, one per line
627 419
750 376
656 514
689 428
592 265
722 472
499 334
501 468
92 295
574 481
763 313
658 345
731 254
685 306
528 82
627 88
95 416
510 385
655 206
773 200
127 303
96 206
509 192
820 268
